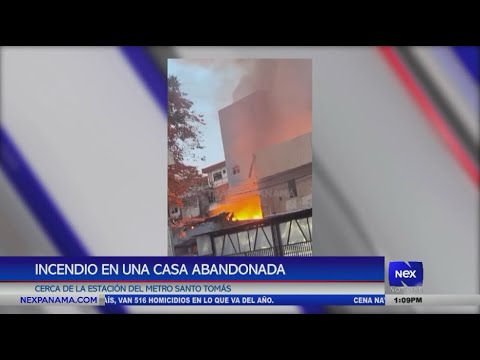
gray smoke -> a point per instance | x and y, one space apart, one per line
289 82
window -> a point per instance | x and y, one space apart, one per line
174 210
217 176
292 188
211 197
236 169
224 171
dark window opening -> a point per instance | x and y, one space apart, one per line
217 176
292 188
211 197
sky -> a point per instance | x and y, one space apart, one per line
209 84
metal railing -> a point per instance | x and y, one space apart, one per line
299 249
283 235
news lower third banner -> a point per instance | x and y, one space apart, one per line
192 281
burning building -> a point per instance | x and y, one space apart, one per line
266 135
266 140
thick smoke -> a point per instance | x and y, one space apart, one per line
258 75
228 74
289 81
289 85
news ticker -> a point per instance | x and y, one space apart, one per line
214 281
237 294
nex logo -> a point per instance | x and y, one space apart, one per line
407 274
402 273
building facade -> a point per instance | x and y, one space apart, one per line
284 175
195 203
216 174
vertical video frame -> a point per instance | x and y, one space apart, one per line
240 157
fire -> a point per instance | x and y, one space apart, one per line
246 207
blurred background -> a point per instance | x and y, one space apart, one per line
395 134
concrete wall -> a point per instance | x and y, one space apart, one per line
279 112
304 186
284 156
191 211
244 126
276 199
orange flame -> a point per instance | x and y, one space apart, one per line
246 207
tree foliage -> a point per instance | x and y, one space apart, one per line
184 137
